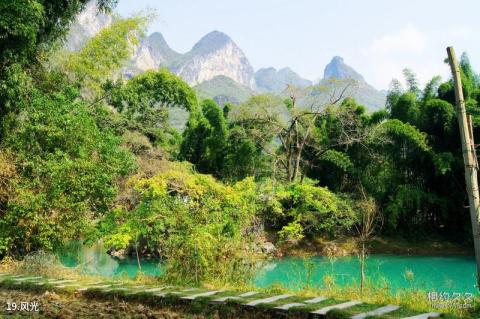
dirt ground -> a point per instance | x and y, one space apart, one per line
55 306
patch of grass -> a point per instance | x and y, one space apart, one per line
337 314
364 307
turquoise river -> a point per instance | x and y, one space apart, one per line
429 273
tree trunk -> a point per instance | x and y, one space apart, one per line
138 258
469 156
296 167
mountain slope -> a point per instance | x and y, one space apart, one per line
215 54
271 80
87 24
152 53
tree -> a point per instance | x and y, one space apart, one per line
368 221
469 156
244 156
67 172
28 30
205 138
101 58
412 82
406 108
30 27
296 126
144 101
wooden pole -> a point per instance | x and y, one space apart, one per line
469 156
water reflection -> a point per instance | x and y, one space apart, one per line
94 260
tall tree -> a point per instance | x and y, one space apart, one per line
205 138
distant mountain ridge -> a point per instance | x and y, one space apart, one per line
339 70
216 66
360 90
271 80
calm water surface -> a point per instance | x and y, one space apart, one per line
444 273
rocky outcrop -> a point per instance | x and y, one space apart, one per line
88 23
339 70
215 54
152 53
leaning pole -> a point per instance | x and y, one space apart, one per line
469 156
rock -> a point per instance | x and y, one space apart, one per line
332 249
121 253
51 295
268 247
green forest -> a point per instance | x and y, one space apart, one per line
86 154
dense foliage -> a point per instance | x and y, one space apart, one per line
66 173
298 210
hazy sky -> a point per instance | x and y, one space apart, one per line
377 38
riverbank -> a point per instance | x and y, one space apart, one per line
348 246
61 298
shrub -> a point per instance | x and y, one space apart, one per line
306 210
197 224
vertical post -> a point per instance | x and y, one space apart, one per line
469 156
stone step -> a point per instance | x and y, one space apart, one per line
290 305
56 282
150 290
424 316
247 294
267 300
183 291
92 283
156 289
163 294
376 312
68 285
315 300
93 287
27 278
115 289
344 305
203 294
